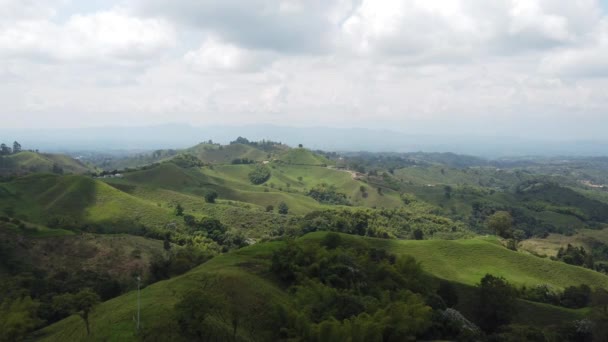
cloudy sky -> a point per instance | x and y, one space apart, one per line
508 67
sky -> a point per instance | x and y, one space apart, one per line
461 67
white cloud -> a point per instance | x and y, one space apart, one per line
460 64
111 35
588 59
215 55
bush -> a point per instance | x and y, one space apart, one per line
328 194
259 175
283 208
211 196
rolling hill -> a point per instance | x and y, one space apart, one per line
245 273
33 162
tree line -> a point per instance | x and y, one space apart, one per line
6 150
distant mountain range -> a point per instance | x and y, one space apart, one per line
325 138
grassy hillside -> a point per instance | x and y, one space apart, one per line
587 238
245 271
301 156
467 261
288 183
32 162
216 154
121 256
79 201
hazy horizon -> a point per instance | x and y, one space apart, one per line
175 135
532 70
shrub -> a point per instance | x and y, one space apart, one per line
259 175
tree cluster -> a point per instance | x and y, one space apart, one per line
259 175
6 150
328 194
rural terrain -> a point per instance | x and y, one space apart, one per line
260 241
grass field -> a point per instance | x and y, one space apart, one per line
40 197
301 156
549 246
463 262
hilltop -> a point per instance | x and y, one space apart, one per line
33 162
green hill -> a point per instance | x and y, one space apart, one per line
288 183
302 156
79 202
33 162
225 154
245 271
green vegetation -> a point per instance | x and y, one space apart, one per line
259 241
328 194
259 175
26 162
242 277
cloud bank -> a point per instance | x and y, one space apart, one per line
515 67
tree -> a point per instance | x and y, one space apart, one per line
418 234
300 145
500 222
84 302
179 210
210 196
81 303
166 243
17 318
16 147
447 191
259 175
283 208
496 304
4 150
269 208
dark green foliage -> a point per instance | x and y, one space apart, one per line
179 261
5 150
418 234
187 160
575 256
496 304
259 175
269 208
328 194
331 241
283 208
179 210
501 224
353 293
17 318
81 303
448 293
211 196
16 147
560 197
242 161
194 313
576 296
386 223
